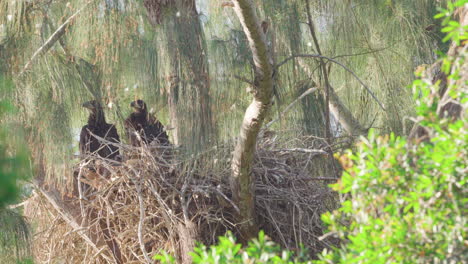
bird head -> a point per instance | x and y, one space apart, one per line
139 106
92 106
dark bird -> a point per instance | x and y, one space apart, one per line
97 126
141 126
89 144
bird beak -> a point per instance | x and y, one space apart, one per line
132 104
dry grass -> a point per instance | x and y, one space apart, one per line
151 202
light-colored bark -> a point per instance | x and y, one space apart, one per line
344 116
242 181
341 113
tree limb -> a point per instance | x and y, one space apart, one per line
242 182
307 92
339 110
336 62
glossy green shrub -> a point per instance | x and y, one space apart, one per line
227 251
407 197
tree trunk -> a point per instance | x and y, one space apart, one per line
188 74
242 181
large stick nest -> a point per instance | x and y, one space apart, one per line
155 200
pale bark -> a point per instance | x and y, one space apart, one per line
349 123
337 108
242 181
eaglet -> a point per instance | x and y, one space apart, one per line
141 126
97 126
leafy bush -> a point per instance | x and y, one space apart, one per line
406 197
14 166
14 161
227 251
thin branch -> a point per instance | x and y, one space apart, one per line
360 54
303 150
319 179
141 222
53 38
243 79
307 92
58 205
334 61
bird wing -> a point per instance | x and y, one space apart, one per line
84 140
155 130
112 134
130 130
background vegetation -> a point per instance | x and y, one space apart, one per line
404 198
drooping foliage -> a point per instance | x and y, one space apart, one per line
112 52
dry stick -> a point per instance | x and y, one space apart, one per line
275 224
80 191
69 219
141 222
318 179
336 62
53 38
361 53
303 150
227 199
243 79
307 92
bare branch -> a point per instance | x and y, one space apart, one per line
336 62
303 150
141 222
360 54
307 92
58 205
243 79
324 72
53 38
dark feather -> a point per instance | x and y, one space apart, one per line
97 126
147 127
